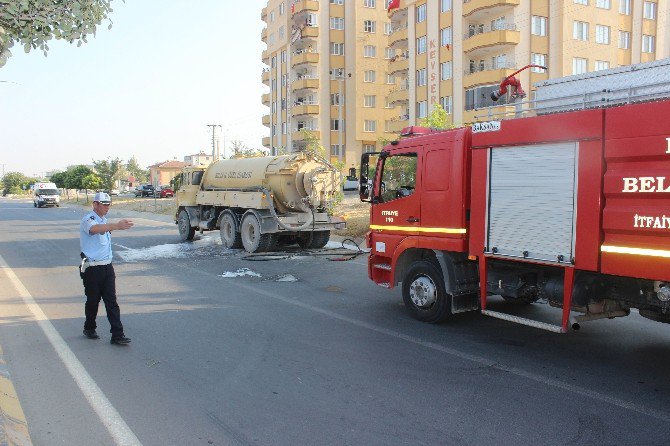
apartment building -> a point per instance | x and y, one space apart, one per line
327 71
454 52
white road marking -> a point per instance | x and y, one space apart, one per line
108 415
629 405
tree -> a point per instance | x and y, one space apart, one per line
241 150
75 175
108 171
437 119
134 169
58 179
32 23
92 182
11 182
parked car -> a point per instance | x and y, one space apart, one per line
112 192
145 190
350 183
163 192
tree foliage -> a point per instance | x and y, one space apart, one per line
32 23
438 118
133 168
92 181
241 150
75 175
108 171
58 179
11 182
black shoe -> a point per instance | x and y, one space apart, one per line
91 334
120 340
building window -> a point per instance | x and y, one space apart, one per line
274 107
388 28
421 77
624 7
282 8
310 20
283 128
538 59
445 5
624 40
446 71
337 73
369 125
387 126
274 129
649 11
579 65
445 36
390 79
369 101
336 49
421 45
421 13
602 65
273 85
604 4
369 26
337 2
336 124
580 30
335 99
368 148
335 150
369 76
582 2
370 3
648 44
603 34
387 103
282 32
445 102
273 62
272 16
337 23
539 25
479 97
369 51
389 53
283 57
421 109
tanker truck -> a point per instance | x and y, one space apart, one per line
257 202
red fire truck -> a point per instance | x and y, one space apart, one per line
567 203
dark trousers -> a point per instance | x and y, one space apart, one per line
100 283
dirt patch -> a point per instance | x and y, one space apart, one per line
357 215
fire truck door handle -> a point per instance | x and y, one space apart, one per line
412 220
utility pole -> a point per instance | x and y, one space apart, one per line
215 155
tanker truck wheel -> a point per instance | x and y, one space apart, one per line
230 237
313 240
252 239
186 232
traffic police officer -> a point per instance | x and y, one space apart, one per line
96 268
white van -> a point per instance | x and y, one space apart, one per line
45 194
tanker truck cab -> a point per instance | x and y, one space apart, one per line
45 194
187 185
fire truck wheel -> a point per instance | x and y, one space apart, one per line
186 232
252 239
230 236
423 292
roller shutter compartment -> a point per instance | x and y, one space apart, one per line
531 199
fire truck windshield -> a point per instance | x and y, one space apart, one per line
398 178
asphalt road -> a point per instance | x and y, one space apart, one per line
328 359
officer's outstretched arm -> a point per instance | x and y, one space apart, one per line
109 227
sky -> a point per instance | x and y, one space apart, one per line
146 88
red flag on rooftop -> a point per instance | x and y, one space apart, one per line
393 4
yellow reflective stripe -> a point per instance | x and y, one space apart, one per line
635 251
419 229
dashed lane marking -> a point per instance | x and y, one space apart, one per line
110 418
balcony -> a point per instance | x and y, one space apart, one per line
304 57
398 64
264 35
264 14
265 56
266 120
305 83
398 123
299 135
305 108
305 6
487 74
486 6
309 32
266 141
399 96
398 37
484 39
265 77
266 99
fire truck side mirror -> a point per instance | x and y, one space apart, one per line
365 183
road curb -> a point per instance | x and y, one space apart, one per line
13 425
